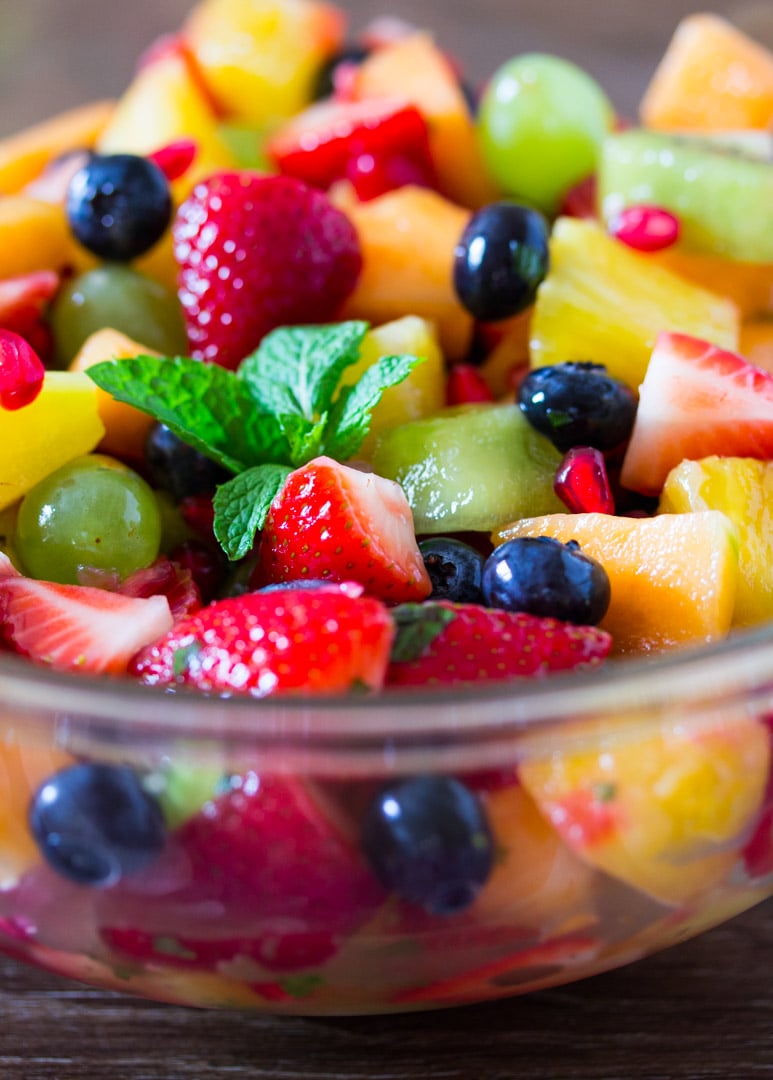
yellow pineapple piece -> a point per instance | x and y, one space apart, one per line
665 812
259 58
34 235
673 577
421 394
742 488
62 423
603 302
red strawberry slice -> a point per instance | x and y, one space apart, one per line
333 522
257 252
76 627
318 641
23 300
377 145
271 872
696 400
466 643
165 578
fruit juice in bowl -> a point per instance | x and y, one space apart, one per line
385 480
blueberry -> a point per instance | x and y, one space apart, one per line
95 823
544 577
428 840
178 468
325 81
299 583
578 403
454 569
118 205
500 260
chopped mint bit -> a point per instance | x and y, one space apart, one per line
170 946
417 627
241 506
301 986
604 791
184 656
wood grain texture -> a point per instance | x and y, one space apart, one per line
701 1011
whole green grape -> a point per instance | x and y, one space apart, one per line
541 123
123 299
93 515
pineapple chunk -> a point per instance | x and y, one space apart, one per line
60 424
743 489
421 394
603 302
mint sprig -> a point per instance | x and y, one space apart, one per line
285 406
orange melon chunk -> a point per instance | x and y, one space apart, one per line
673 577
24 156
711 78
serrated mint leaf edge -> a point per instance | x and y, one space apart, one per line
241 506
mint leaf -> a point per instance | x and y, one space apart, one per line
241 506
349 420
304 438
297 369
417 627
204 404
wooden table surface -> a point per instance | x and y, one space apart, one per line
703 1010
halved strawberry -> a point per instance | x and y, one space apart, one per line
696 400
318 641
76 627
377 145
23 300
271 871
441 643
335 523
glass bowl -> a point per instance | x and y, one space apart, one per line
629 809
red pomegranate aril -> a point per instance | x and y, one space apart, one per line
580 201
466 385
21 371
582 483
175 158
645 228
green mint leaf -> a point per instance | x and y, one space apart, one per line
303 985
204 404
417 627
297 369
241 506
304 438
349 420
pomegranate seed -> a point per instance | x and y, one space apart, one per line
175 158
203 564
466 385
21 371
645 228
582 483
580 200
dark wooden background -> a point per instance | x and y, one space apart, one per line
701 1011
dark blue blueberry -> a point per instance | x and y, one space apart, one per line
500 260
578 404
178 468
325 81
542 576
118 205
299 583
95 824
454 569
427 839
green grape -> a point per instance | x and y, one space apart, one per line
92 516
541 124
121 298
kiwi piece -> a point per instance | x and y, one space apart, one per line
721 192
470 468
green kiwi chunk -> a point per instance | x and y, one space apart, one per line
470 468
721 191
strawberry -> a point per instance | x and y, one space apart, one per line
377 145
442 643
76 627
696 400
23 300
165 578
257 252
274 853
321 641
333 522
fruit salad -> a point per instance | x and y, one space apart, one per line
386 474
